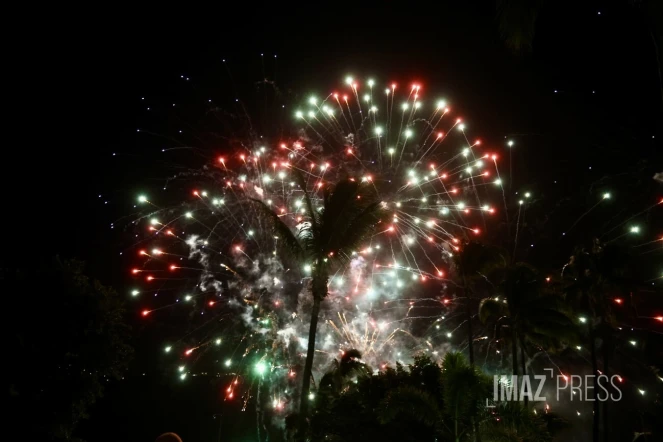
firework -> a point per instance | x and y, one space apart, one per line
212 262
212 257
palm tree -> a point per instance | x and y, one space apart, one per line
531 313
324 242
349 368
451 408
428 402
343 375
469 263
595 278
516 21
465 388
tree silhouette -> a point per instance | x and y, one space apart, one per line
324 241
427 402
68 333
530 312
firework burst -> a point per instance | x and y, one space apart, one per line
213 256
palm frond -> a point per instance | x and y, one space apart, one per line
453 361
343 243
341 206
349 355
490 310
287 240
464 388
349 215
517 21
475 257
311 213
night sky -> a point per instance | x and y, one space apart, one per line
586 103
91 76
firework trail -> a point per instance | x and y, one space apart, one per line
212 257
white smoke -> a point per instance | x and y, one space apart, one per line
196 250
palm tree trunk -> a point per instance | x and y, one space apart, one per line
514 352
457 436
607 348
470 344
470 349
523 368
597 412
514 357
308 367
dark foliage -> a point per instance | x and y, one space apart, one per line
67 341
427 402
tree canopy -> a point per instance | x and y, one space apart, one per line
423 402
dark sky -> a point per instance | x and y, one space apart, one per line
87 77
84 78
90 74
